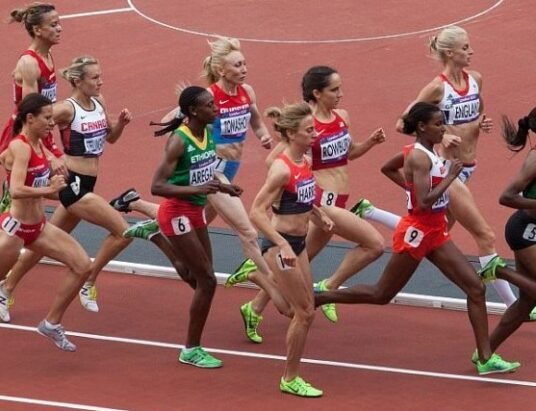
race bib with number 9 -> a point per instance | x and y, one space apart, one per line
413 237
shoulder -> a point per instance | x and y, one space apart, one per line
433 91
249 91
28 64
343 114
476 76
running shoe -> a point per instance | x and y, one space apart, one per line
488 273
532 315
329 310
57 335
474 357
241 273
251 322
145 230
5 201
496 364
299 387
122 202
198 357
4 304
88 297
362 207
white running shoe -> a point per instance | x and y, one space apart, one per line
57 335
88 297
4 304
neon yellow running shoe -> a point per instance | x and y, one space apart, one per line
362 207
532 315
496 364
198 357
88 297
241 273
487 274
251 322
299 387
329 310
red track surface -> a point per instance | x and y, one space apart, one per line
140 377
142 62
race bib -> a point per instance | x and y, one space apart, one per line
41 180
50 91
413 237
335 147
220 165
181 225
202 172
530 232
281 264
235 125
329 198
11 225
94 145
305 191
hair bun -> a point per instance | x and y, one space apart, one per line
523 123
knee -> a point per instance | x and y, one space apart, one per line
375 247
207 281
304 315
381 297
248 234
82 267
476 291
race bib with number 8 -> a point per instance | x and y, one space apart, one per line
181 225
328 199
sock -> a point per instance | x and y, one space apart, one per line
502 287
51 326
386 218
189 349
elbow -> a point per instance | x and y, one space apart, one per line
505 200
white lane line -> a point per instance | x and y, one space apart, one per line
95 13
339 364
304 41
57 404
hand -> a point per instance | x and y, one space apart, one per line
266 141
450 140
57 183
486 124
231 189
455 167
327 223
125 117
287 255
378 136
58 167
211 187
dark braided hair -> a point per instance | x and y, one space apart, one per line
517 138
188 98
419 112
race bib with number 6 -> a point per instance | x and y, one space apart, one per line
181 225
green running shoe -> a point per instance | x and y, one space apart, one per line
142 229
198 357
329 310
241 273
251 322
299 387
5 201
487 274
496 364
532 315
362 207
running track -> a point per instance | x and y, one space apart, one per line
382 58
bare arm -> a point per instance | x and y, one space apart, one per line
115 129
431 93
29 72
419 164
257 125
392 169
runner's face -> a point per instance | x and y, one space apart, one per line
50 28
205 110
434 129
330 96
234 68
305 135
462 51
91 83
42 123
